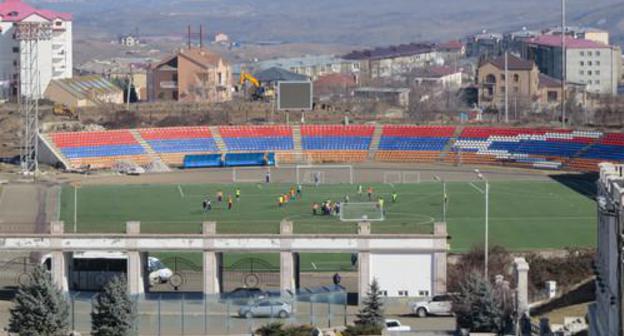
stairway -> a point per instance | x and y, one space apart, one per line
150 152
216 135
582 151
296 133
374 146
449 145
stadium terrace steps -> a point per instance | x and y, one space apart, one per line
374 147
572 161
218 139
451 143
151 153
296 131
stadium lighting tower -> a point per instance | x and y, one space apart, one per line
444 199
487 218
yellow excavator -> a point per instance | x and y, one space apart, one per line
64 110
259 92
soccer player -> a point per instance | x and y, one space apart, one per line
346 198
280 201
315 208
370 193
380 204
230 202
238 193
359 190
317 179
299 189
205 205
219 196
267 177
292 193
394 196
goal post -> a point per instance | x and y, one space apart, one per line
249 174
410 177
393 177
401 177
324 174
364 211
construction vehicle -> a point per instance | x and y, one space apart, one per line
259 92
63 110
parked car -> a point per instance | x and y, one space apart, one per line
266 308
395 325
243 295
437 305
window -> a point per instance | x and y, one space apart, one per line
552 96
589 73
582 72
503 89
503 77
582 53
423 293
590 63
597 81
383 292
597 72
582 63
597 63
392 324
58 23
15 50
516 89
403 293
597 53
589 82
516 78
589 53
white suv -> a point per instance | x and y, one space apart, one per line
437 305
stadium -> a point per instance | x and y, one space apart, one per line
533 187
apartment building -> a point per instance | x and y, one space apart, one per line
593 64
54 54
312 66
393 61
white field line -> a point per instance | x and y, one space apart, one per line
478 189
180 190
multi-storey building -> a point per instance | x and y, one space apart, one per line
191 75
584 33
605 314
393 61
54 55
312 66
593 64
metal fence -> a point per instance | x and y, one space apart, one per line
196 314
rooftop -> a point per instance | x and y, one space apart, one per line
436 72
402 50
382 89
278 74
570 42
547 81
82 87
304 61
514 63
17 10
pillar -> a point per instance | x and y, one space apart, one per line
287 259
60 260
212 261
365 272
439 259
136 264
521 268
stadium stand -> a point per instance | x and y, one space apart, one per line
337 143
257 138
579 150
413 143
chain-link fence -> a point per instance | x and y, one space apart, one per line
196 314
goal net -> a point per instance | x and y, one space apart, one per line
411 177
311 174
356 212
393 177
249 174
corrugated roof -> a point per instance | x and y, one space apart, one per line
81 87
16 11
547 81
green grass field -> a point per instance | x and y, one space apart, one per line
523 214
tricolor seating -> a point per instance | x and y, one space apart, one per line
174 143
413 143
257 138
337 143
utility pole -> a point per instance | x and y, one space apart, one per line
506 87
563 64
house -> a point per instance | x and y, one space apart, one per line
451 51
191 75
393 61
395 96
121 68
523 81
313 66
129 41
441 76
594 64
55 55
485 44
221 38
334 85
84 91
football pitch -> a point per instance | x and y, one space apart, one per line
523 214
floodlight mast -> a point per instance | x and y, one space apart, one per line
481 177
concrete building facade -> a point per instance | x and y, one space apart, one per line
55 56
192 75
593 64
606 313
84 91
523 81
312 66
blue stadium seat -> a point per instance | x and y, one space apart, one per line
412 143
184 145
259 143
102 151
336 142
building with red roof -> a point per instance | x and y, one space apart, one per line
54 54
590 63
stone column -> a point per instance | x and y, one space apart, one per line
211 260
365 273
287 259
137 262
439 259
59 260
522 281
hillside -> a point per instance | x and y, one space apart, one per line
360 22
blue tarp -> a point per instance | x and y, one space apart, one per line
202 161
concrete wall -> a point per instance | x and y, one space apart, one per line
411 273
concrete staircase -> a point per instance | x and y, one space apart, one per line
296 130
449 145
54 150
216 135
374 146
151 153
